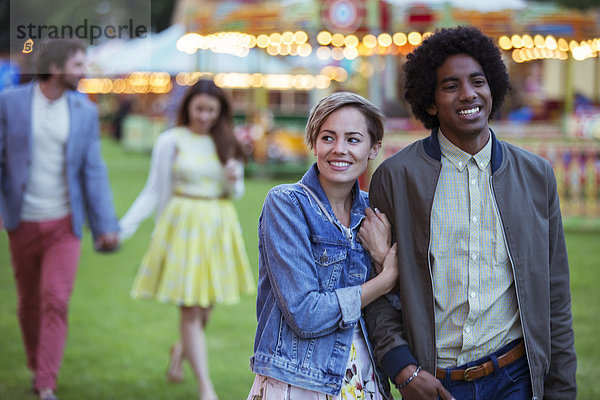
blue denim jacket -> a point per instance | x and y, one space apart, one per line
310 273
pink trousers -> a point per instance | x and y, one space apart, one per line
44 256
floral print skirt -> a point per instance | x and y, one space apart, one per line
359 382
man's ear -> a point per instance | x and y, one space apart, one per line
431 110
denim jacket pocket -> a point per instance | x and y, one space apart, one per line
329 257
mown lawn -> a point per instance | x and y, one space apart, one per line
118 347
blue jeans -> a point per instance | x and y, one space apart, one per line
512 382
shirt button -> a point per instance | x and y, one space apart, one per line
460 163
473 294
474 219
474 256
473 181
468 329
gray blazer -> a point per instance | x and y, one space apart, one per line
87 179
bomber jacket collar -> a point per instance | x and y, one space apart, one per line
359 203
431 145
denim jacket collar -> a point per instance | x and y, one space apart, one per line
359 203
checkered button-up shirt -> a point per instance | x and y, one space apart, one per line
476 309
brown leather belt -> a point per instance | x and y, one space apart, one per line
481 370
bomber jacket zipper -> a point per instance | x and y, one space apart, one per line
432 321
497 211
432 298
512 266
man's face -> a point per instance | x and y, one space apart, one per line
463 100
73 70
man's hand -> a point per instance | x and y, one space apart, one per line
375 234
423 387
107 242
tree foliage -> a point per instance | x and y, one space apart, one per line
582 5
161 12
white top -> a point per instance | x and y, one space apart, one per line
46 196
174 170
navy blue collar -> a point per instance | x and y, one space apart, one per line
431 145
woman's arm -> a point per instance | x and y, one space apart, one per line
158 188
287 258
234 171
375 235
384 281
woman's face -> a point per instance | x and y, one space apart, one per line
343 147
203 111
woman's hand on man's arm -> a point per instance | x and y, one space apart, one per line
375 235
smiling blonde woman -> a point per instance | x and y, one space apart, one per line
313 271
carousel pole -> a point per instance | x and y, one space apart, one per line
597 82
376 86
569 87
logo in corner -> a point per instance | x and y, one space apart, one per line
28 46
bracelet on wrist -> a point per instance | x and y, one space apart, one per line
409 380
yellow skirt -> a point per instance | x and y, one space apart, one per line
196 256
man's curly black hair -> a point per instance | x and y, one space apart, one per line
420 68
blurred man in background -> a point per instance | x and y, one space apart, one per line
51 175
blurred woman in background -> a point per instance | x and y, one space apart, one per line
196 257
310 341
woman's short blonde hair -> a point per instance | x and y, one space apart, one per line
335 101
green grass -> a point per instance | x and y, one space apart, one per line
118 347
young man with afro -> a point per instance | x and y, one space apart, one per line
484 308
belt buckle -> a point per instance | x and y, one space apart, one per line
466 373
